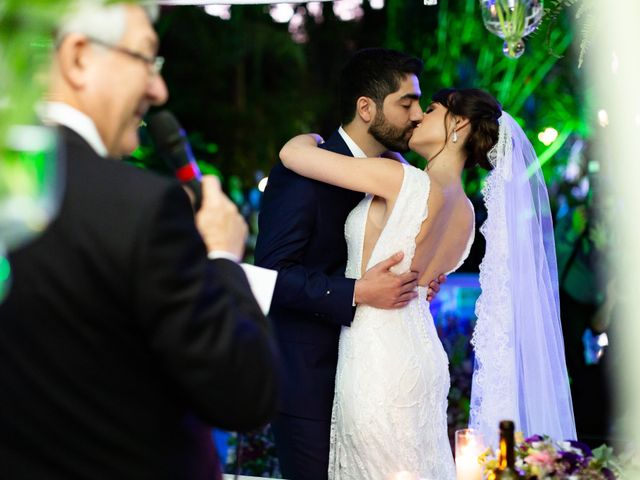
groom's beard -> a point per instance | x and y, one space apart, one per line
391 137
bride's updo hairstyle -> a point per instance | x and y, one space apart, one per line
483 112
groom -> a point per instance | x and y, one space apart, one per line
301 235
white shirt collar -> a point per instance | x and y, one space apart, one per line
356 151
58 113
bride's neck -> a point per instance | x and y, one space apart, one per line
446 167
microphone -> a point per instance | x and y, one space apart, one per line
171 140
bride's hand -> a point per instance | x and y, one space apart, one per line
304 140
394 156
316 138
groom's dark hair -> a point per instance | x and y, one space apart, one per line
373 73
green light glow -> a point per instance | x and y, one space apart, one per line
548 136
5 277
547 154
5 270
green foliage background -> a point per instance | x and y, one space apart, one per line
26 30
242 87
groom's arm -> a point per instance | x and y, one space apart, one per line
286 227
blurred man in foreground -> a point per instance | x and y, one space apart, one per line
120 342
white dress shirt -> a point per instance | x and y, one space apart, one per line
355 150
58 113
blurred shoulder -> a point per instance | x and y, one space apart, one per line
107 184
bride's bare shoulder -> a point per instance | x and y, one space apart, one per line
438 194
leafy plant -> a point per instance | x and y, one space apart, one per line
584 14
26 30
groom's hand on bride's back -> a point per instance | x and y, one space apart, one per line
381 288
434 287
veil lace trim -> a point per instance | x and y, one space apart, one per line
494 374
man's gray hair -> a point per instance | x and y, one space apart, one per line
103 21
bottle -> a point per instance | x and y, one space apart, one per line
506 469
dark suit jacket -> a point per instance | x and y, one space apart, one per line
302 236
119 340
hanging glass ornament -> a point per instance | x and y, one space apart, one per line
512 20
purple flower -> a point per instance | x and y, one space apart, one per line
608 474
581 446
572 460
534 438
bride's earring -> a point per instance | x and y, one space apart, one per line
454 137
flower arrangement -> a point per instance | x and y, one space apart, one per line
540 458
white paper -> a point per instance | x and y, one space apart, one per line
262 282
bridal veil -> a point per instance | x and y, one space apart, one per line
520 371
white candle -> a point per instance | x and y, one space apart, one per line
469 446
468 468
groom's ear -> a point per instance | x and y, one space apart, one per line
366 109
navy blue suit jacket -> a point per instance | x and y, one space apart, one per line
301 234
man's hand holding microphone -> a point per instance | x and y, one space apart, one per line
219 222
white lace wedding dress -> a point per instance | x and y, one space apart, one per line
390 405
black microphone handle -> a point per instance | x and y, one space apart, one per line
196 188
179 156
171 141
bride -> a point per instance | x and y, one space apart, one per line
390 405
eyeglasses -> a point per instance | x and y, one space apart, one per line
154 63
